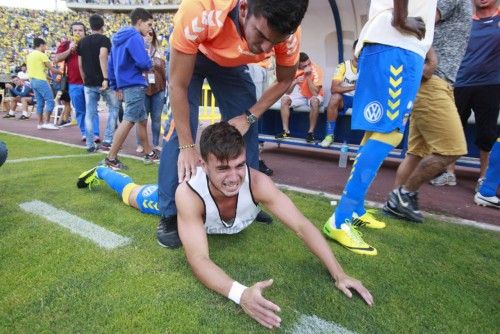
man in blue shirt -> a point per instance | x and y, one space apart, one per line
20 93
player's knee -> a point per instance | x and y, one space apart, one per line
314 103
286 100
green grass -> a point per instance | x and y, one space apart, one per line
430 278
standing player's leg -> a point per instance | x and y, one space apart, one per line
384 111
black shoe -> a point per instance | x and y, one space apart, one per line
404 205
282 135
114 164
22 118
9 116
92 149
105 147
166 233
310 137
264 169
263 217
151 158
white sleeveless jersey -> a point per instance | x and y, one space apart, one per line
349 78
246 208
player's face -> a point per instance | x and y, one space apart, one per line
259 36
226 176
484 3
145 26
78 30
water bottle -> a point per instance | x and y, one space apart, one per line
344 152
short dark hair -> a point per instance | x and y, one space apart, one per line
38 41
96 22
354 44
140 14
222 140
303 57
284 16
78 23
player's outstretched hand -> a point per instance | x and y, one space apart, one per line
345 283
258 307
187 163
412 25
240 122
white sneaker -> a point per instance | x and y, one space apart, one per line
139 149
445 179
479 184
39 126
49 126
492 201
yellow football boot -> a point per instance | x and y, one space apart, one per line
349 237
368 220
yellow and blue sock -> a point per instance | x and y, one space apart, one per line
115 180
366 166
492 179
330 127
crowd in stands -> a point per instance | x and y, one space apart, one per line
128 2
19 27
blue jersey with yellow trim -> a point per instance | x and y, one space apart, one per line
388 82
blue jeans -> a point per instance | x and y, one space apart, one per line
92 95
44 96
134 110
234 91
154 106
77 95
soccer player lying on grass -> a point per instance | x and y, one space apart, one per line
222 199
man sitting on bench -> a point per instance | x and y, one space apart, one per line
306 90
20 93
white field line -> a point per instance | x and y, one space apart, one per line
448 219
65 144
47 157
311 324
102 237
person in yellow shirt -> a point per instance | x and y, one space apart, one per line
38 63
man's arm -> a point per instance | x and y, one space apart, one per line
80 67
192 233
431 62
181 72
405 24
103 61
280 205
310 83
284 78
337 87
65 54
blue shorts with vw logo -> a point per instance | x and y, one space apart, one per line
388 82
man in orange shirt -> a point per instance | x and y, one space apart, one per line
306 90
214 40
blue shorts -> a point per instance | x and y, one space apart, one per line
347 100
135 98
147 199
388 82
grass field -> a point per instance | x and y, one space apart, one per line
430 278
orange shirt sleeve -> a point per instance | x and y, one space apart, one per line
188 31
287 52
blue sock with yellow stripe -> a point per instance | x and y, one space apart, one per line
369 159
492 179
115 180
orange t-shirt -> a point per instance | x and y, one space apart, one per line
207 26
317 78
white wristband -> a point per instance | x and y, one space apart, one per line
236 292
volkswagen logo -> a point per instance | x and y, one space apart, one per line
373 112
